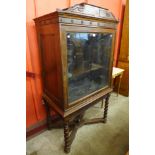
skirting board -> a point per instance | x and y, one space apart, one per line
36 129
41 126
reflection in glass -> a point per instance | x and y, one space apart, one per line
88 63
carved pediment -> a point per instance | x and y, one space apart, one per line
90 10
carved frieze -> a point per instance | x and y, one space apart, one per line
90 10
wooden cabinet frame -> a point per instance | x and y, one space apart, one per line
51 32
70 28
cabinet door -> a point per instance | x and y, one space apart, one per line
88 58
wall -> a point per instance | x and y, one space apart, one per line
34 8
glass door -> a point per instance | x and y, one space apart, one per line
88 62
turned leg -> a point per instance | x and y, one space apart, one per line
119 84
102 103
66 137
48 115
106 108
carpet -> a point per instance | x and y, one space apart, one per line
111 138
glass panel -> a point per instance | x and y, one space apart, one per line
88 63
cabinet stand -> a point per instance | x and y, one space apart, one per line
72 124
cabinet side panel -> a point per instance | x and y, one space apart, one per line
49 59
51 64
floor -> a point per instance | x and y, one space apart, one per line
97 139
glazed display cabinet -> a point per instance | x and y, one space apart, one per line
76 49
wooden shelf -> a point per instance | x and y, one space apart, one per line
82 70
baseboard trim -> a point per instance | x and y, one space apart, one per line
41 126
36 129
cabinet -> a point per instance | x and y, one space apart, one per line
76 48
123 60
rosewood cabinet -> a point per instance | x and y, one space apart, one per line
76 48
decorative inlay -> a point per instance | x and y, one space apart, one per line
86 22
